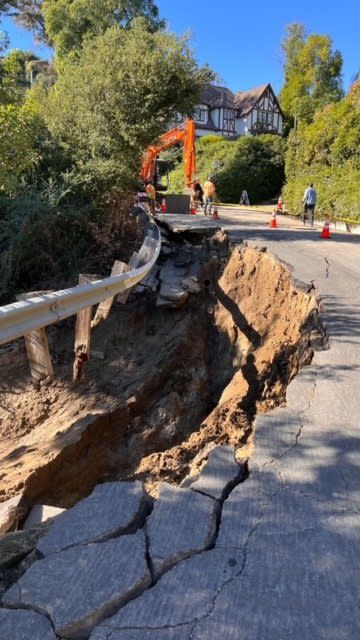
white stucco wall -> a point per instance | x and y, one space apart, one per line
242 126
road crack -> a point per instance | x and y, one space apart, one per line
327 268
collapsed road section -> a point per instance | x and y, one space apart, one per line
213 336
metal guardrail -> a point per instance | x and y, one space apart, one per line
19 318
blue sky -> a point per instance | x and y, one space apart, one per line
241 40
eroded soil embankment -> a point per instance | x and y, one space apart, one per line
170 384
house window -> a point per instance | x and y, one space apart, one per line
200 115
229 120
266 118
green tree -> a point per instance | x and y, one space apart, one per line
4 42
119 96
19 129
28 14
69 24
312 73
13 77
65 23
327 152
17 71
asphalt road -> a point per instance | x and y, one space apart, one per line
297 517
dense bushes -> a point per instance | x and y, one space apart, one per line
254 164
46 246
327 152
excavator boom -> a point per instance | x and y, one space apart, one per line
169 139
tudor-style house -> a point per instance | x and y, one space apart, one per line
232 115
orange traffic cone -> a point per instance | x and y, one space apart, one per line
215 215
163 205
326 230
192 210
273 222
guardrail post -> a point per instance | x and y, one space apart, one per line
37 346
82 333
104 307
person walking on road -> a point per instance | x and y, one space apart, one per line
209 195
310 200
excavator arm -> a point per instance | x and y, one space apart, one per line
169 139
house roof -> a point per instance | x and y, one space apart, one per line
219 97
246 100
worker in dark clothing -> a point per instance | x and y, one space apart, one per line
310 200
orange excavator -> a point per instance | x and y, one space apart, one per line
169 139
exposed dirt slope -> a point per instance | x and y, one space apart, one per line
163 387
264 330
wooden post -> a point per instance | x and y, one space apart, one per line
82 333
37 346
133 263
104 307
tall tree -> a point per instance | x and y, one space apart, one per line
110 104
65 23
28 14
15 75
70 22
312 72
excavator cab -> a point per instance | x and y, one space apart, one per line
155 170
162 177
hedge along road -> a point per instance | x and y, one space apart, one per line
297 517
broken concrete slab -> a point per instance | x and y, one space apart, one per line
113 508
241 515
220 474
12 512
14 546
79 587
170 527
181 596
191 284
24 625
150 282
174 303
179 633
171 290
40 513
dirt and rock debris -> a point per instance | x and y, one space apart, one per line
171 375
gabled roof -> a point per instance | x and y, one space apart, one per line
246 100
219 97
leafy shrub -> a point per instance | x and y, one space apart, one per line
44 246
254 164
327 153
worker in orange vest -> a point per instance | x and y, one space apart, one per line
209 194
151 193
